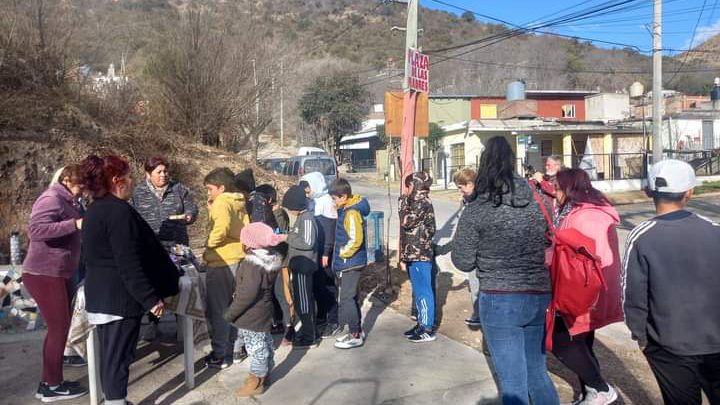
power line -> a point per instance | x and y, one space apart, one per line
692 40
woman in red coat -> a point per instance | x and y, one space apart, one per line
586 209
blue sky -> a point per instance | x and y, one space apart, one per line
630 26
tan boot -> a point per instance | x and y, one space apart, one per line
254 385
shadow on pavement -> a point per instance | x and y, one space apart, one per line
614 371
177 384
327 391
284 368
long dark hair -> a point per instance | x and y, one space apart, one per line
576 185
495 171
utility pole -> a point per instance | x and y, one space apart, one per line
407 138
657 91
257 96
282 115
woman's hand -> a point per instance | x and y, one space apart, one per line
78 224
158 309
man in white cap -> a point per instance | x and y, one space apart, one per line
672 279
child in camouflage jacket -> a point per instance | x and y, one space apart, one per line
417 228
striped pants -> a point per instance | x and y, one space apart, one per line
304 302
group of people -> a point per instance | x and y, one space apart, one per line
662 288
291 268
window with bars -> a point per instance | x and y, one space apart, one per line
457 154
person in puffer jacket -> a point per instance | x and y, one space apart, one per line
417 228
324 282
251 310
349 259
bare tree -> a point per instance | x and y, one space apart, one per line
202 82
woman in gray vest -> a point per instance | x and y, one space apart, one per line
167 206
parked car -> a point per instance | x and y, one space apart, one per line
299 166
275 165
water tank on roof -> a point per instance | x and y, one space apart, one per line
516 90
637 90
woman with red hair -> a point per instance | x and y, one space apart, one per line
586 209
128 271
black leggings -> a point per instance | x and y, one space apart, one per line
576 353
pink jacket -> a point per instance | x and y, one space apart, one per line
54 239
598 222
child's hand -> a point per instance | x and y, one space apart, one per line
283 237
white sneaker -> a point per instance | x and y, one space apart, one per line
350 341
593 397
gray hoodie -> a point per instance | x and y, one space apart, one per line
506 243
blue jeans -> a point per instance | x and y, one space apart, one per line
421 280
514 329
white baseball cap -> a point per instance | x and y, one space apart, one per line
671 176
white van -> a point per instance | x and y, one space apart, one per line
310 151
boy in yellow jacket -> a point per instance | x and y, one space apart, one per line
223 254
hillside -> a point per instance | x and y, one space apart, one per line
211 72
707 53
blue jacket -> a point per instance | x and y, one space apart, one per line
350 251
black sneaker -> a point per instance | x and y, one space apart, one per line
473 323
303 344
422 336
43 385
240 355
411 332
217 362
74 361
332 331
62 392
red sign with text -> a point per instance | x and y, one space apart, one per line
419 70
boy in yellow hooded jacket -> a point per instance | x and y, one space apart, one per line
223 254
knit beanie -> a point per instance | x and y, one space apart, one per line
257 235
295 199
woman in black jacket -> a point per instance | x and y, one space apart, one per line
128 270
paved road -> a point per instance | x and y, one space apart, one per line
446 212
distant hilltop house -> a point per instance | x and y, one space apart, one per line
102 83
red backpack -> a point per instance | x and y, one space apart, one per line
575 272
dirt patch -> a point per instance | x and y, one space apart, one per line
623 365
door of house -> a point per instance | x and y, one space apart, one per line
708 135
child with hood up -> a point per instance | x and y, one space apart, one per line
252 308
323 208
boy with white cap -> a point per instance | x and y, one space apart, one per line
671 283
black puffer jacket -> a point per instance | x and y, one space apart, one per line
505 243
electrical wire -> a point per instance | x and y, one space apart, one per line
692 40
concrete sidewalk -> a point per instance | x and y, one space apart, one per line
387 370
